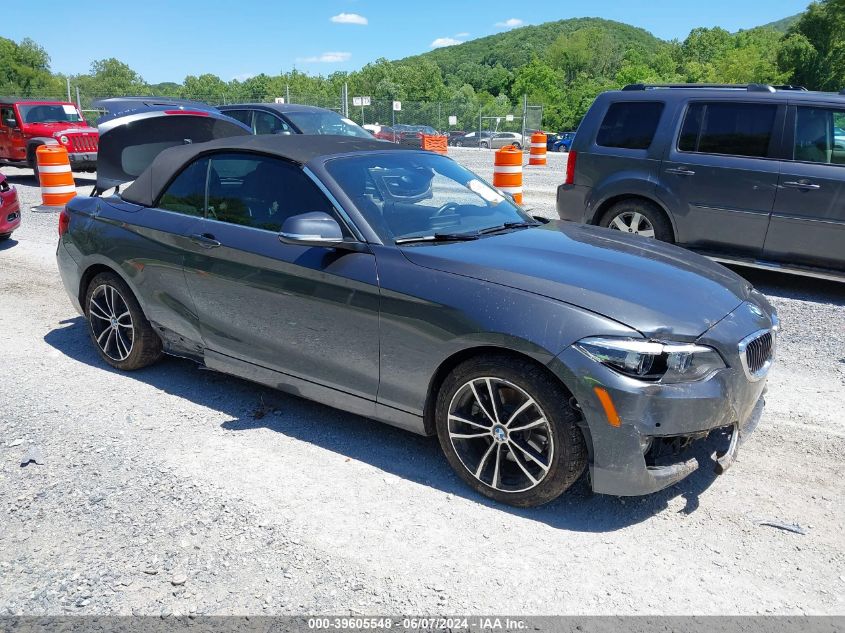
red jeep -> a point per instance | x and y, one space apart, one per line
26 124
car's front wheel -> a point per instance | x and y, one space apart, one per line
484 145
508 430
117 325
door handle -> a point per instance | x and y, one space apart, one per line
802 184
680 171
206 240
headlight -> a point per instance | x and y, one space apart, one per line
653 361
63 139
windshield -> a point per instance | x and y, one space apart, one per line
50 113
326 123
405 195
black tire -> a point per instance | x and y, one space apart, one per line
5 236
484 145
650 211
517 145
144 347
567 458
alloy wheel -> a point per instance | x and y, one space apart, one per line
111 322
500 434
632 222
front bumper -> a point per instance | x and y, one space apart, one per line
10 211
83 161
652 412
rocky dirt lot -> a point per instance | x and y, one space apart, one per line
175 490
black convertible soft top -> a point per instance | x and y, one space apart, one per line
298 148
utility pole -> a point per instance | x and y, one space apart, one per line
78 100
287 93
68 87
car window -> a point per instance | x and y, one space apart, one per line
819 136
267 123
244 116
630 125
48 113
408 194
260 191
6 114
325 122
186 194
737 129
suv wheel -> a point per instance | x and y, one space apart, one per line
117 326
639 217
507 429
485 145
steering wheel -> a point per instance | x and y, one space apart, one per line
449 206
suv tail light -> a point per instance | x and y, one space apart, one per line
64 221
570 168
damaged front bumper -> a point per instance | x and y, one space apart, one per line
625 459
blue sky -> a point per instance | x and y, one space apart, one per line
167 40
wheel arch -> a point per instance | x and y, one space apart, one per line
447 365
605 205
95 269
34 143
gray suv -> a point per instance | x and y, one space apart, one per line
752 174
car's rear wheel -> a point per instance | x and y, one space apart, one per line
484 145
117 325
639 217
517 146
507 429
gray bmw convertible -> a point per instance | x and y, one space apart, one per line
395 284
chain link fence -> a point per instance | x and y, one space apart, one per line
498 115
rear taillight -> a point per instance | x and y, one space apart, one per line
570 168
64 221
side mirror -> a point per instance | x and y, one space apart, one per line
10 122
316 229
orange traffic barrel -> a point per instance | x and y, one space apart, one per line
434 143
507 171
57 186
538 149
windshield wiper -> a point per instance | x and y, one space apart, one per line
506 226
438 237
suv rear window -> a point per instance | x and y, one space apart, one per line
737 129
630 125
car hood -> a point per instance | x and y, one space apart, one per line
58 128
658 289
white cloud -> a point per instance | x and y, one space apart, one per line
462 34
440 42
243 76
327 58
349 18
509 23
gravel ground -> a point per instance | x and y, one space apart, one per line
175 490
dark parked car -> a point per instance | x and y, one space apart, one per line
397 285
455 134
290 118
473 139
411 135
749 175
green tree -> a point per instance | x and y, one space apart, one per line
112 78
813 54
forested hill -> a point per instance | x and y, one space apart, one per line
513 49
560 65
782 26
